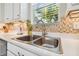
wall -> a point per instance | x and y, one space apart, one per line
71 6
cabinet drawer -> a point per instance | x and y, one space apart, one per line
10 54
19 51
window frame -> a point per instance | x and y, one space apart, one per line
32 17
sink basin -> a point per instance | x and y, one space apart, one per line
28 37
41 41
47 42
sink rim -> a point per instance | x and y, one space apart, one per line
33 36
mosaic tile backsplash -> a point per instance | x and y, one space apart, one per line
64 26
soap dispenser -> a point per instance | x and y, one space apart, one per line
29 27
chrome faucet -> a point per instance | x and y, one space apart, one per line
44 33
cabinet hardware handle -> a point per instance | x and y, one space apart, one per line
22 55
18 53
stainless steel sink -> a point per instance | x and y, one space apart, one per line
47 42
40 41
28 37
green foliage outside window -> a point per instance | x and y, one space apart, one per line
48 13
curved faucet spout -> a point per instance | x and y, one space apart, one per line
43 27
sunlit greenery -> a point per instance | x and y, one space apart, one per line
48 13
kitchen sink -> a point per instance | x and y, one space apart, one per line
47 42
28 37
40 41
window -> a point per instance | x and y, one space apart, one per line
46 12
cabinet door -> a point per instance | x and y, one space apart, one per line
19 51
8 11
3 47
23 52
10 54
25 11
0 12
16 10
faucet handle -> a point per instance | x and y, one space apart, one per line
44 33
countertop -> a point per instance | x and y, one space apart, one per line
36 50
61 35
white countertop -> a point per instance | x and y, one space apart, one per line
61 35
39 51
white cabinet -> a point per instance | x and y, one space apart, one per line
18 51
11 11
1 12
8 11
10 54
16 10
25 11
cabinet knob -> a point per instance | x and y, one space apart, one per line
19 54
22 55
7 18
